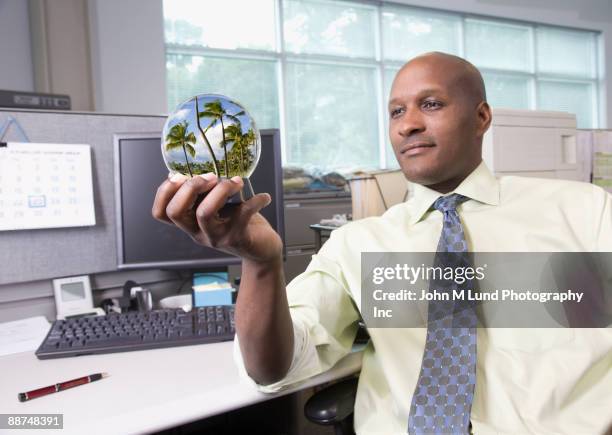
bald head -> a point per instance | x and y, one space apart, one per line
461 73
438 115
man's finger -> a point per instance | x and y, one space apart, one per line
216 199
252 206
180 208
164 194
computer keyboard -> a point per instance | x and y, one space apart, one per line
138 331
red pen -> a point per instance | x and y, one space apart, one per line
60 387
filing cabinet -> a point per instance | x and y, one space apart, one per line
302 210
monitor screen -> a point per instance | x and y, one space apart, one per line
144 242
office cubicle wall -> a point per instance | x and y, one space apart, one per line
28 255
30 259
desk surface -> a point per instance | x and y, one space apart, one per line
147 390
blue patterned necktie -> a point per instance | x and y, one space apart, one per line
442 399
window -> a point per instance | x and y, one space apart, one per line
499 46
321 70
407 32
335 122
324 27
236 24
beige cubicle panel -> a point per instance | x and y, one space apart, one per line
375 192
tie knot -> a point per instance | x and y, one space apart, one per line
450 202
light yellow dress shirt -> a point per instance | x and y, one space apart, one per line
538 381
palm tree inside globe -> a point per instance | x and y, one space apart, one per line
211 133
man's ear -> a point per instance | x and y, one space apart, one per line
483 113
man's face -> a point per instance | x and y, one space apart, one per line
433 125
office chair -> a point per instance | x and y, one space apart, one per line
334 405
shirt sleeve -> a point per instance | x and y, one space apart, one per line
325 320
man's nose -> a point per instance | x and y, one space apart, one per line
412 122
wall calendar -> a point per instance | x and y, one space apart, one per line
44 185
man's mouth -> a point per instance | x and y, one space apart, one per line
415 148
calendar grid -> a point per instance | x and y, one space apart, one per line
44 185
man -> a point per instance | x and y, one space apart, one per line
516 380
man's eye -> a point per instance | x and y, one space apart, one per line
396 112
432 105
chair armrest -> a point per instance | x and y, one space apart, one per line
333 404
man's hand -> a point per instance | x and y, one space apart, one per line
237 229
263 321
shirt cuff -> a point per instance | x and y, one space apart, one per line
304 363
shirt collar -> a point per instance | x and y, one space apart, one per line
481 185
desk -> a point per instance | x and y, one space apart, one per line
147 390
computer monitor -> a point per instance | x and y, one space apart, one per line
142 241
